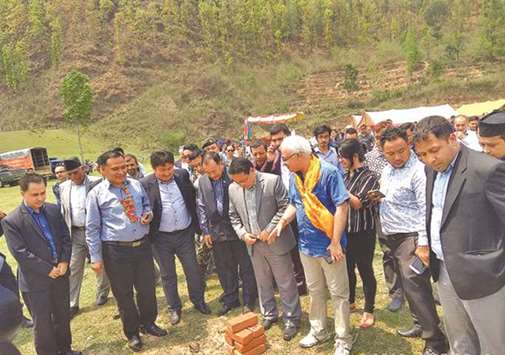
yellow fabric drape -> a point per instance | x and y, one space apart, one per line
317 213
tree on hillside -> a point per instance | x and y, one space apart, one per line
492 28
351 78
411 50
77 102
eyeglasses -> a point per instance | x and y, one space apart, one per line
285 160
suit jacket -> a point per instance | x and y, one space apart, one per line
152 187
30 248
472 231
66 203
220 228
271 202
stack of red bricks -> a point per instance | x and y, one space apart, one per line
245 336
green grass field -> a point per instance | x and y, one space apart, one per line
95 332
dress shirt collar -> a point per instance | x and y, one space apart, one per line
452 164
31 211
165 182
108 185
412 160
81 184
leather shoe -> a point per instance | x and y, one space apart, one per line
74 311
174 315
101 300
153 330
203 308
268 322
135 343
289 331
414 332
395 305
429 350
226 308
26 323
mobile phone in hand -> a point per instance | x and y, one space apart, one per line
328 259
418 266
375 194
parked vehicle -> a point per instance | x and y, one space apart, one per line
29 159
9 176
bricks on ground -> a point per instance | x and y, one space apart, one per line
244 336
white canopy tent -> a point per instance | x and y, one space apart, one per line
406 115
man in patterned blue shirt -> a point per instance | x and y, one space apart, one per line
402 215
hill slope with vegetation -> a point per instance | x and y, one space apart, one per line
165 70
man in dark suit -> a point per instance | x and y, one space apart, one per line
172 197
465 199
39 240
230 253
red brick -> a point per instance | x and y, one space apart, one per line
243 337
258 330
243 321
256 351
253 344
228 339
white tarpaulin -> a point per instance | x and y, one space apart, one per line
407 115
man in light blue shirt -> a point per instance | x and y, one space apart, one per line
117 224
172 231
403 221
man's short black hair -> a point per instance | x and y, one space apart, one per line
351 130
212 156
240 166
161 157
390 134
321 129
118 149
473 118
110 154
278 128
257 143
408 125
352 146
190 146
195 154
436 125
30 178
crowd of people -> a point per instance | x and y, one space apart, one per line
285 214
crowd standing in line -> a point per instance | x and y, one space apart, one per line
282 214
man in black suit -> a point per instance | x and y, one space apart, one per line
230 253
465 199
172 197
39 240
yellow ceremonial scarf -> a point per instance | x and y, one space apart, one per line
317 213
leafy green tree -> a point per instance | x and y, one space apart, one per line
492 28
411 51
436 16
350 78
15 64
77 97
56 42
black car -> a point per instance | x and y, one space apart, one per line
9 176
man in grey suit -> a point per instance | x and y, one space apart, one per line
73 193
465 199
257 202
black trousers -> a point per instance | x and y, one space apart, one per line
360 251
230 256
181 243
417 288
51 317
129 268
297 263
391 272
